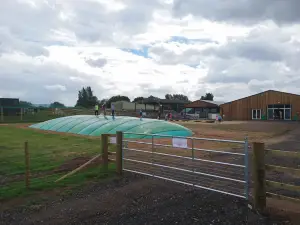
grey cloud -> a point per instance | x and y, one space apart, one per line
168 57
237 70
25 28
97 62
10 44
28 81
241 11
252 50
92 23
35 27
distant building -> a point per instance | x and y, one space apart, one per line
10 106
203 109
166 104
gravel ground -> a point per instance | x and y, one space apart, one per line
136 199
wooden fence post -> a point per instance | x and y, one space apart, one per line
2 114
104 149
27 165
259 176
119 153
21 113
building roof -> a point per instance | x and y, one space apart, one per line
260 93
164 101
213 102
203 104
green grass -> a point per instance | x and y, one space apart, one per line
43 115
47 153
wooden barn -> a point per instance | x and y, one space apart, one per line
267 105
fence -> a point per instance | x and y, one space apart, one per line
51 162
29 115
183 160
221 169
281 181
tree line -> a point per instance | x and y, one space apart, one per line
87 99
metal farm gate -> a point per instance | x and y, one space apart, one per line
212 164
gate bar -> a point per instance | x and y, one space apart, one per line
184 157
185 183
204 139
197 149
246 169
184 170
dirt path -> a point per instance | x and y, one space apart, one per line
287 142
138 200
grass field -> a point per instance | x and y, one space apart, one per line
42 115
51 156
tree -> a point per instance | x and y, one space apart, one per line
177 97
153 97
208 96
26 104
116 99
86 98
57 105
168 96
138 99
102 101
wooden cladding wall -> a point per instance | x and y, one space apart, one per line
242 109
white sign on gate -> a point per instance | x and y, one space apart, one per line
179 142
113 140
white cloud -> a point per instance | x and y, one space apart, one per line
60 46
56 87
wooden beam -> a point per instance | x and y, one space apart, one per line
78 168
27 165
119 153
293 171
289 187
104 151
259 176
282 197
2 114
282 153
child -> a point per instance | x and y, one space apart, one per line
141 114
220 118
96 110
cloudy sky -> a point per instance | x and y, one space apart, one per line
49 49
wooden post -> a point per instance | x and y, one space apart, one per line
119 153
21 113
2 114
259 176
27 165
104 152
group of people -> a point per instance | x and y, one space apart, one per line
168 115
103 108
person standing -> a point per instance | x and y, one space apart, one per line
96 109
141 114
113 111
104 109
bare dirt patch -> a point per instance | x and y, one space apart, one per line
138 200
